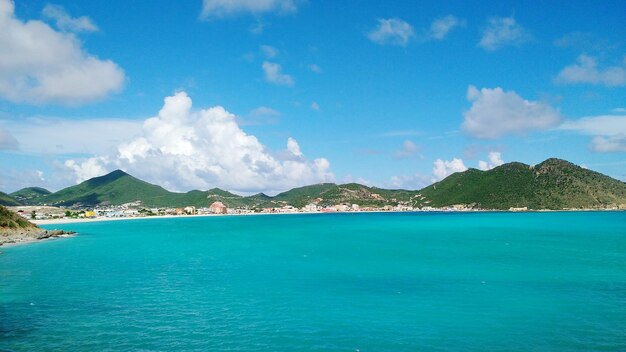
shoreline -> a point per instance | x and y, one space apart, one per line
31 235
105 219
35 240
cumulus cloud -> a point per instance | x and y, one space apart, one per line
440 28
495 159
182 149
495 113
293 147
41 65
315 106
586 71
392 31
273 74
502 31
445 168
229 8
66 22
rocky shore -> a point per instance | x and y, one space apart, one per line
11 236
15 229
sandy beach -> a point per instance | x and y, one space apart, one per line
100 219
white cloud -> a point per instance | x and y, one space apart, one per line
228 8
88 168
503 31
315 106
495 159
586 70
619 110
182 149
445 168
392 31
67 23
41 65
269 51
603 144
273 74
609 131
71 136
315 68
409 149
495 113
440 28
293 147
606 125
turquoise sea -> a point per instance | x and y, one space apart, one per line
340 282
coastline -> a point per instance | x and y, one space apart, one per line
36 234
121 218
35 240
124 218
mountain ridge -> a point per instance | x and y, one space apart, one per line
551 184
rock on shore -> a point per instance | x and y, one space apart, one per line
15 229
29 235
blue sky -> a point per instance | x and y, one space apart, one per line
265 95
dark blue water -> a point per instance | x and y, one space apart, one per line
344 282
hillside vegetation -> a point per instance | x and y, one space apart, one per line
6 199
12 221
552 184
29 195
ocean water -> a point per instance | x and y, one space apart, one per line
341 282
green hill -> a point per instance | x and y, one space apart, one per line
29 195
12 221
552 184
116 187
351 193
6 199
119 187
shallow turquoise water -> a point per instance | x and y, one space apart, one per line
372 282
